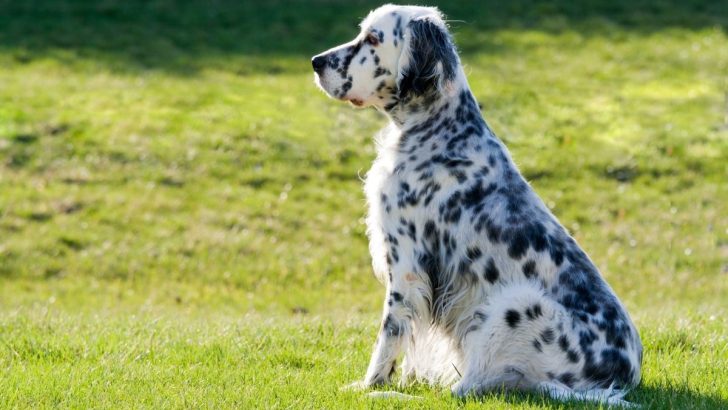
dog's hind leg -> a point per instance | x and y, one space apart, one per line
506 347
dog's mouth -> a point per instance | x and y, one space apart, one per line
319 80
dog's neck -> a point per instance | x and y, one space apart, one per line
410 111
405 112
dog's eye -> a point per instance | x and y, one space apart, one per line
372 39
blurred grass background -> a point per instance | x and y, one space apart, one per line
174 160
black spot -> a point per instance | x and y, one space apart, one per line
533 312
564 343
567 378
397 296
586 338
474 253
363 60
614 366
459 175
412 231
430 262
464 270
529 269
491 273
556 250
512 318
451 210
351 52
518 245
573 356
548 335
391 327
392 239
537 310
429 228
345 87
381 71
537 345
476 194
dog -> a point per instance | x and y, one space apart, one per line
485 288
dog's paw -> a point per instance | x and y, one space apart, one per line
360 385
392 395
462 390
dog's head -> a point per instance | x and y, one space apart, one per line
401 52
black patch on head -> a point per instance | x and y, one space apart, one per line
397 296
512 318
429 46
573 356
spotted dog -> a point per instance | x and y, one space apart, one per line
485 288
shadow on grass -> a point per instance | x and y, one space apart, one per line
647 397
182 37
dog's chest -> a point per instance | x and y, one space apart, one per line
409 193
405 188
462 207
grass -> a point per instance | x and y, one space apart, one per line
181 211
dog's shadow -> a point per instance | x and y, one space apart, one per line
643 397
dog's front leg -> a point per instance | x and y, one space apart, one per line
395 328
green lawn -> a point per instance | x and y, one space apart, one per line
181 215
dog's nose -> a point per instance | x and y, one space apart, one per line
318 63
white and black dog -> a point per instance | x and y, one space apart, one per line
485 288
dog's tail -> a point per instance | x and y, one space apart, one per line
609 396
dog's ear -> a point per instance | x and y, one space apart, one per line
429 58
